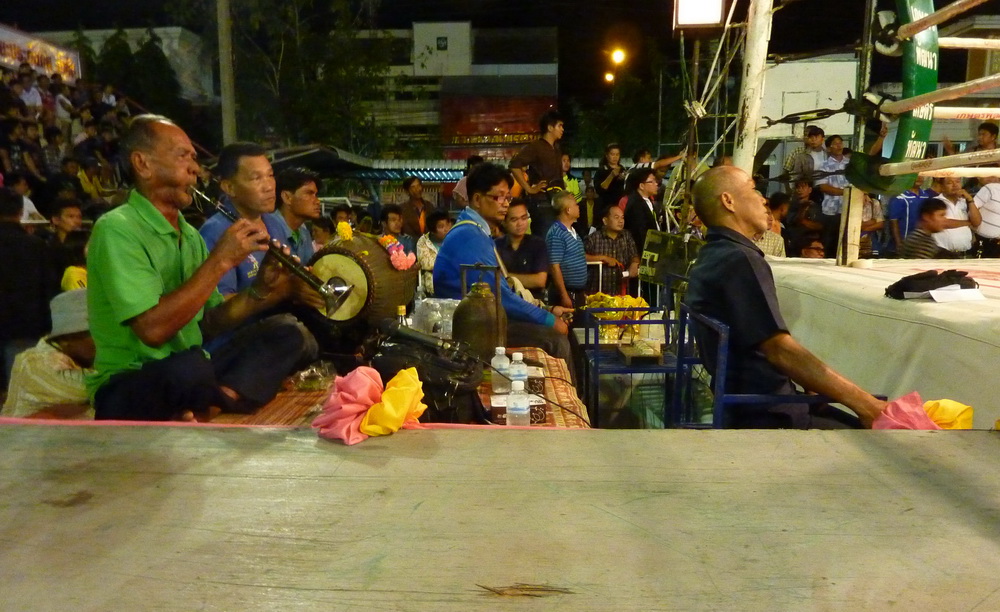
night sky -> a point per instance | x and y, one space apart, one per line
588 28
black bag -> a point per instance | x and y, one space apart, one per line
450 379
930 279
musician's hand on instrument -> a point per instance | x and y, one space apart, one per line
273 279
302 293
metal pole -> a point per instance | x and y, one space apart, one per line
965 112
940 95
954 9
853 199
227 80
752 87
963 172
659 118
987 156
945 42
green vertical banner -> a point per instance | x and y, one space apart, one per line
913 130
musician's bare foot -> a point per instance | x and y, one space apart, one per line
207 415
185 416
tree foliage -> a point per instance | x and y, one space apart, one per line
631 113
155 83
115 63
88 57
303 72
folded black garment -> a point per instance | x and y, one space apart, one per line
928 280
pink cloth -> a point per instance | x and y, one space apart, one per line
354 394
906 412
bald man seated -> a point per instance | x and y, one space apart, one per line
733 283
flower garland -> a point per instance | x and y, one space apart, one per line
398 257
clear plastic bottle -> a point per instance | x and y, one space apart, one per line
518 408
518 370
500 371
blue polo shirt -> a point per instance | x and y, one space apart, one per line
299 242
240 277
566 249
470 243
905 209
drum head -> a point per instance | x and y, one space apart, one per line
335 264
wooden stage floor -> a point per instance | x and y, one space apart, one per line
185 518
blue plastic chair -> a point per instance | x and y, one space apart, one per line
688 355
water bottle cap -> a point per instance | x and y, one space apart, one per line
501 350
518 356
517 385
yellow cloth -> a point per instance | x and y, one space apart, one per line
75 277
949 414
400 403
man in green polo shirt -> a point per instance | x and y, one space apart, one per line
152 291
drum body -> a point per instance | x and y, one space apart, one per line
378 287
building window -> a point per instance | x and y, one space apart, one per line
442 43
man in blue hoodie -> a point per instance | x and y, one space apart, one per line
470 242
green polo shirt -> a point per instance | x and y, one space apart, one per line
134 258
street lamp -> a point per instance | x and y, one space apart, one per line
617 56
609 77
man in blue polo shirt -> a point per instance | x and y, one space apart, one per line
567 257
247 180
297 201
470 242
733 283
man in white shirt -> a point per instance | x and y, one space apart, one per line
961 218
987 200
31 97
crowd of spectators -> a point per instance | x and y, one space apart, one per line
60 169
62 140
944 218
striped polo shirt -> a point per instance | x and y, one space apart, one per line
988 202
566 249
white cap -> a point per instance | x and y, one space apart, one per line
518 357
500 350
517 385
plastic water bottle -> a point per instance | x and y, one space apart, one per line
518 370
518 409
500 372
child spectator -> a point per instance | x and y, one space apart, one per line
47 380
74 260
438 225
920 244
321 230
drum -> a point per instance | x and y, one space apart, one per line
379 288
